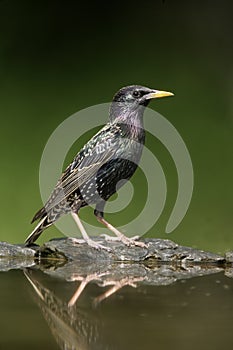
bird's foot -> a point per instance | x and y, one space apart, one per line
76 240
115 238
90 242
120 236
110 238
132 241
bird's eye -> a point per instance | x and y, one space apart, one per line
136 93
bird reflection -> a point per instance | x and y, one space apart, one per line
75 321
72 327
116 285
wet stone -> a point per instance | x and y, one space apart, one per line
229 257
14 256
66 250
157 249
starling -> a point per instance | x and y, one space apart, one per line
96 172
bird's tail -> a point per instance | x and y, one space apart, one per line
44 223
39 214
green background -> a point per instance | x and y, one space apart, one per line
59 57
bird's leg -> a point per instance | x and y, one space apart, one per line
119 235
86 238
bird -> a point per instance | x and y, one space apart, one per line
101 167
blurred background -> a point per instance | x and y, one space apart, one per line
57 57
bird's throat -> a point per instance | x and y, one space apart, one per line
127 113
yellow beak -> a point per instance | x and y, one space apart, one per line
159 94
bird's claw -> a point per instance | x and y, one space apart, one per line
90 242
109 238
132 241
115 238
76 240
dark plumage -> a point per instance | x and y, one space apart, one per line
111 155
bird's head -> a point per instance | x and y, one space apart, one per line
130 100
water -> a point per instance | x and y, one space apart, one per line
188 313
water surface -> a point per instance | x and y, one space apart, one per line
188 313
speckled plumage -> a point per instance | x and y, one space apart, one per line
109 156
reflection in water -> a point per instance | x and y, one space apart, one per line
158 312
127 281
71 327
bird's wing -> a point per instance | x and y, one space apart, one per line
86 164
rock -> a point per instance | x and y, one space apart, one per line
58 252
15 256
229 257
158 250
